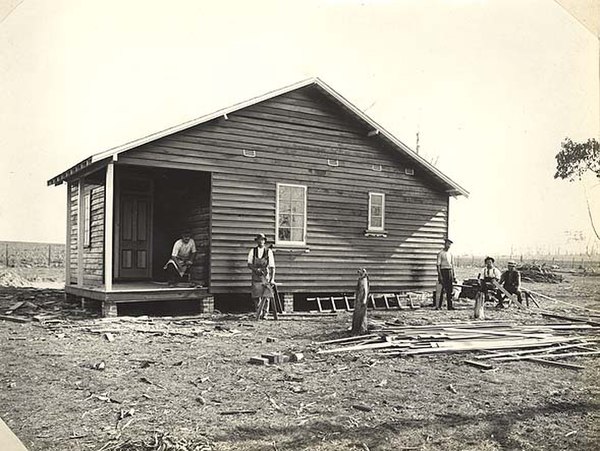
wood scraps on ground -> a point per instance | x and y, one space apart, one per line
501 341
160 441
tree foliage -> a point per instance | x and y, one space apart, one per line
575 159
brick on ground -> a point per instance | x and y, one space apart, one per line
259 361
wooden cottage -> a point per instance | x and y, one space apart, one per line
331 189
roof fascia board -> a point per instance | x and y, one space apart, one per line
60 178
82 169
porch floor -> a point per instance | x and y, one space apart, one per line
139 291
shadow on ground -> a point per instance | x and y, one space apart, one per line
497 426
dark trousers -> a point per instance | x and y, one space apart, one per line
515 290
447 281
490 290
173 276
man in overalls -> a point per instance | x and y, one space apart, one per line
262 264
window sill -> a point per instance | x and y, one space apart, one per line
291 249
376 233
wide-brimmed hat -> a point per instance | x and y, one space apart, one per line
489 258
260 236
512 263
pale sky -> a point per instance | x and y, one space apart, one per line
493 87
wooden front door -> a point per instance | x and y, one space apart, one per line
135 236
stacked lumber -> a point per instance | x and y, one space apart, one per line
537 273
502 341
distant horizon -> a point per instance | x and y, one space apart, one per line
481 256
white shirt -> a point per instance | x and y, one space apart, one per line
261 253
493 273
445 260
183 250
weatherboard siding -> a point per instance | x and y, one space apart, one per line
293 137
93 255
73 231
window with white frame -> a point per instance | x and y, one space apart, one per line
291 214
376 211
87 219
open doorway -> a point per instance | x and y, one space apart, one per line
154 207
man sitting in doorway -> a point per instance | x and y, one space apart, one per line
182 258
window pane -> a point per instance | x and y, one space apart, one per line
297 193
284 220
284 193
297 234
284 234
376 222
284 205
297 206
297 220
376 200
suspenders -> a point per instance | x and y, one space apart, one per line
265 254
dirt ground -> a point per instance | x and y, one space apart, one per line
190 379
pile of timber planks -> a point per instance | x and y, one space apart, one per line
537 273
502 341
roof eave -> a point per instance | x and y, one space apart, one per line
63 176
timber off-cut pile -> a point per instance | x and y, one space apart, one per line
502 341
11 279
37 304
537 273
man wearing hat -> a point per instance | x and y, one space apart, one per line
511 281
262 264
445 270
488 276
